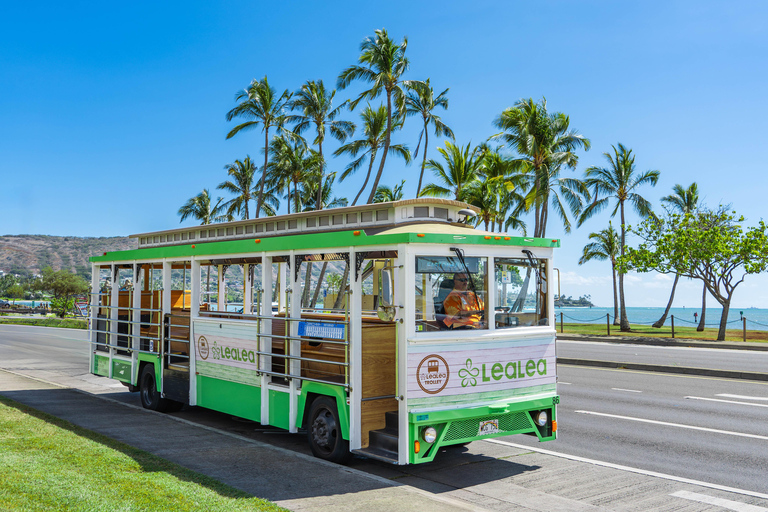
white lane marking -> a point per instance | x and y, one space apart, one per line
630 469
724 401
666 424
565 383
627 390
720 502
744 397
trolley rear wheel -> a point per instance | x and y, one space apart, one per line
150 395
324 431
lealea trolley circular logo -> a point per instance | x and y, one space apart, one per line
432 374
202 347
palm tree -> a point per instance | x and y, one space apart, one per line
545 145
383 64
384 194
604 247
374 138
421 100
259 104
316 106
683 200
461 168
292 164
241 184
200 208
326 195
505 185
618 181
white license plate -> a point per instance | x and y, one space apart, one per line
488 427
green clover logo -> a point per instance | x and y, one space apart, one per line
469 375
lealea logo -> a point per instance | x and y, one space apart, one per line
202 347
432 374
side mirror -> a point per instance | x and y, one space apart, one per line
386 309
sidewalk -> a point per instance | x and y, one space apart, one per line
293 480
627 364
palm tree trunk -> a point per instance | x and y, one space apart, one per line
700 328
423 160
319 199
624 323
663 318
342 288
263 172
307 285
386 148
367 177
615 297
319 284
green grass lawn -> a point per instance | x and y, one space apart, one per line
50 464
687 332
49 321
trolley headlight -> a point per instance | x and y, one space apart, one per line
541 418
430 434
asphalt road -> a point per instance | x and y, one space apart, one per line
712 431
721 359
708 429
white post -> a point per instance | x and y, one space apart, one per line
265 345
355 338
295 365
136 325
405 287
222 299
114 302
167 269
194 312
490 295
94 312
247 289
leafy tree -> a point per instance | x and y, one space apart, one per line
421 101
461 169
605 247
201 209
384 194
545 145
316 106
64 286
293 164
374 138
259 104
495 190
240 184
683 200
16 291
619 181
707 245
328 200
383 63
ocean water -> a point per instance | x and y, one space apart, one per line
757 319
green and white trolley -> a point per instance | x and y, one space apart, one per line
333 322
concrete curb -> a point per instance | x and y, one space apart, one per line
707 372
666 342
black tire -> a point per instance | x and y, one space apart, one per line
324 431
150 395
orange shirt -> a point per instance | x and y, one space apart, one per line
456 302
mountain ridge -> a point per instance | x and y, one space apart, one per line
32 253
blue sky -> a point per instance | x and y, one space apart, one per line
111 117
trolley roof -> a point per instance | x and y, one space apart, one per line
423 220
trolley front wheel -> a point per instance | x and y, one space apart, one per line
324 431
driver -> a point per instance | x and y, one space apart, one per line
463 308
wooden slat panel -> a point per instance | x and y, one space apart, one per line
373 417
